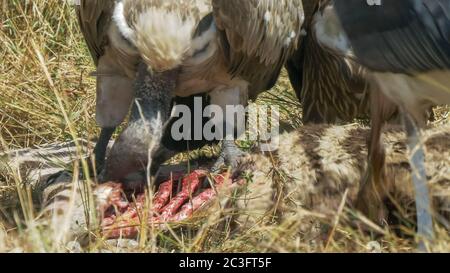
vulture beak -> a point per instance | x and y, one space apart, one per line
139 142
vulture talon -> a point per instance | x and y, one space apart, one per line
230 156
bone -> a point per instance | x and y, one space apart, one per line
167 210
190 184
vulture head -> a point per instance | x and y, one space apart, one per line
160 32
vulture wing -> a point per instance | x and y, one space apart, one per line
94 17
257 36
405 36
310 7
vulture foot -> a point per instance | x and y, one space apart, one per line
230 156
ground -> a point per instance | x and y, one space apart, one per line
48 95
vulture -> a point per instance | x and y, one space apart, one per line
116 72
405 46
331 86
152 51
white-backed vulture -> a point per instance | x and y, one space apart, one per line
116 63
406 46
233 54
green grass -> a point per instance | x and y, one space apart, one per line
46 95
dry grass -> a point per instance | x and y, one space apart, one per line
46 95
30 113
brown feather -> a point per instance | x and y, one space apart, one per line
94 18
257 37
334 87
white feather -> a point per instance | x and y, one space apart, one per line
206 39
329 32
122 24
201 41
163 38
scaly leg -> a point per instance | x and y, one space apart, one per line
423 204
230 155
232 102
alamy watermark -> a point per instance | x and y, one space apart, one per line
374 2
259 123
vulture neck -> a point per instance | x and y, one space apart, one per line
150 112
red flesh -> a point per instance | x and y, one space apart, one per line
166 209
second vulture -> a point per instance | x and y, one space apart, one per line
406 46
